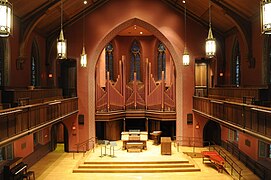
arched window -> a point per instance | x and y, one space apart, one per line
161 58
236 59
135 61
269 56
109 61
2 57
35 75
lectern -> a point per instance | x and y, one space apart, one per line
166 145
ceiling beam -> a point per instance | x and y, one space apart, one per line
30 21
243 25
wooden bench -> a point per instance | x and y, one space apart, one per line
134 146
28 175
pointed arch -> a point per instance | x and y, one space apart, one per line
212 133
171 48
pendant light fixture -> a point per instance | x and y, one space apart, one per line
186 59
5 18
83 59
61 42
266 16
210 44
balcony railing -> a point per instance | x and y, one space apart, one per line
251 119
23 120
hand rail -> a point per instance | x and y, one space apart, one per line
85 144
231 162
193 140
256 167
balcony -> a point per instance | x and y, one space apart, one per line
250 119
23 120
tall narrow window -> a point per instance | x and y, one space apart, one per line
109 61
269 56
2 57
135 61
6 152
34 65
161 60
236 60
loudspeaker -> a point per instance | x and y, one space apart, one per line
189 118
81 119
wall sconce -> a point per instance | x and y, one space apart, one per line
50 75
221 74
266 16
73 129
197 126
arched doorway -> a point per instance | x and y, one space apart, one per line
59 137
212 133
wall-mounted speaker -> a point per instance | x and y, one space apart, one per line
189 118
81 119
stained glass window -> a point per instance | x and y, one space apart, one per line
34 65
236 60
161 60
135 61
109 60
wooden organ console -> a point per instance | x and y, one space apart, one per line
134 140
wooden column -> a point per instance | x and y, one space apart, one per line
147 124
124 124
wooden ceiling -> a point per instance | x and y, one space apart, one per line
44 15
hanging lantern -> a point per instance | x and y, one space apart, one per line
266 16
61 46
5 18
210 46
61 42
83 61
186 59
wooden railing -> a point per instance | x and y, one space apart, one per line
23 120
25 97
239 94
251 119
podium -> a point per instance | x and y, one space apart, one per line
166 145
156 137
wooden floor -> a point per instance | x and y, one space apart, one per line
59 165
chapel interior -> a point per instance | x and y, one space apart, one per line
138 77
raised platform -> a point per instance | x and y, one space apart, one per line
149 161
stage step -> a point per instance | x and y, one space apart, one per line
136 167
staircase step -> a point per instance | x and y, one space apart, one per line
136 162
134 170
175 165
